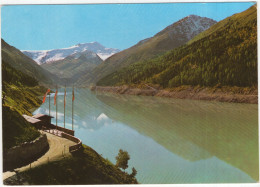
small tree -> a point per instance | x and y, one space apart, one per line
134 172
122 159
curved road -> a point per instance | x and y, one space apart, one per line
58 146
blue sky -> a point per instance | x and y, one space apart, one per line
42 27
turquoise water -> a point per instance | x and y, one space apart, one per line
169 140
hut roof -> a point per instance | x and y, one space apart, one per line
40 116
31 119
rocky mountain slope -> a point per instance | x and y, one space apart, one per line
49 56
171 37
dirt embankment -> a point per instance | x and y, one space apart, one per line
222 94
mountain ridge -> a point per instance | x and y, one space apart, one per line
173 36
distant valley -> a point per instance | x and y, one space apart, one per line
73 62
74 66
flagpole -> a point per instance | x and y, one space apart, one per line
72 105
56 108
64 104
49 104
44 98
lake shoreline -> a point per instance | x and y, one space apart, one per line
221 94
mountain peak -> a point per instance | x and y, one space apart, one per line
188 27
88 43
193 16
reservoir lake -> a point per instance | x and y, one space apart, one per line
168 140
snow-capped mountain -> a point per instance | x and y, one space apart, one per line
49 56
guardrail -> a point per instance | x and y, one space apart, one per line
67 131
74 139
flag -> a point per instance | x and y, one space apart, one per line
73 96
65 97
45 95
55 96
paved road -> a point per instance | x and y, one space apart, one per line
57 147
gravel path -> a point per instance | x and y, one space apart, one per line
58 146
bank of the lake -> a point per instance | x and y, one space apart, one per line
222 94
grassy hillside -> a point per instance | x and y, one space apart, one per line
21 62
20 91
224 55
169 38
74 66
19 94
86 167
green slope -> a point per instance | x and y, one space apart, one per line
74 66
21 62
226 54
169 38
20 91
